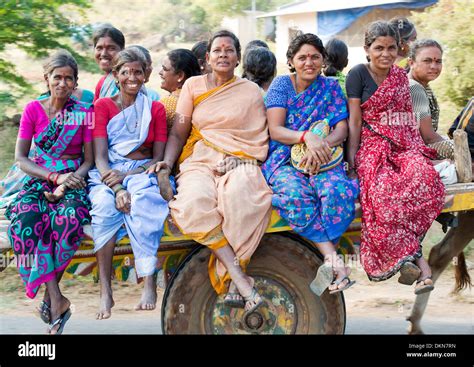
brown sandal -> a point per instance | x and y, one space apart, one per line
409 273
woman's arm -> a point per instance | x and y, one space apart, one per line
355 126
101 154
338 134
76 180
88 160
177 139
276 118
27 165
427 132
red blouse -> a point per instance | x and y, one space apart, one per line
105 109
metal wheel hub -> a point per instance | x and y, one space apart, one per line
277 315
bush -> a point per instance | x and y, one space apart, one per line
451 24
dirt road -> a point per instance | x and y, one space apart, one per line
372 308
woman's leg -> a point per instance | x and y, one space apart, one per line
331 257
29 233
104 260
106 222
242 282
145 229
59 303
148 300
424 283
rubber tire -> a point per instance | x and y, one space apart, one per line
284 257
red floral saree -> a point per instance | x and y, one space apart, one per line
400 192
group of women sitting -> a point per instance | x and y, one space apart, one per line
223 150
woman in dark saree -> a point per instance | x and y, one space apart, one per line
48 215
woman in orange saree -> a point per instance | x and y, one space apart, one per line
222 200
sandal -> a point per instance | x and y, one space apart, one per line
349 284
254 298
323 279
234 300
61 321
425 287
44 312
409 273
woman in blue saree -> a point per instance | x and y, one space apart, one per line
129 136
317 205
48 214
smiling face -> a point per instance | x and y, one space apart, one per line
61 82
223 57
307 62
170 79
382 52
427 65
131 77
104 52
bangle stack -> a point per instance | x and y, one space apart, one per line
117 188
54 180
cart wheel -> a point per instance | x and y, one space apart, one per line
283 267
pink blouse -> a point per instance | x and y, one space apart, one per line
34 121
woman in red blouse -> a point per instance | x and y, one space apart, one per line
129 135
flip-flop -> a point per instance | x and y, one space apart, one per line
61 320
349 284
44 312
234 300
425 287
409 273
254 297
323 279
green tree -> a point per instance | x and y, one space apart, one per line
231 7
196 19
451 23
37 27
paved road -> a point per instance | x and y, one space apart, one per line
152 325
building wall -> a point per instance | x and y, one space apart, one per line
306 23
352 36
244 26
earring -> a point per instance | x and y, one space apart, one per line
179 80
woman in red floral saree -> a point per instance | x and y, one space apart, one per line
400 192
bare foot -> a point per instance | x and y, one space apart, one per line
57 309
148 300
106 304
